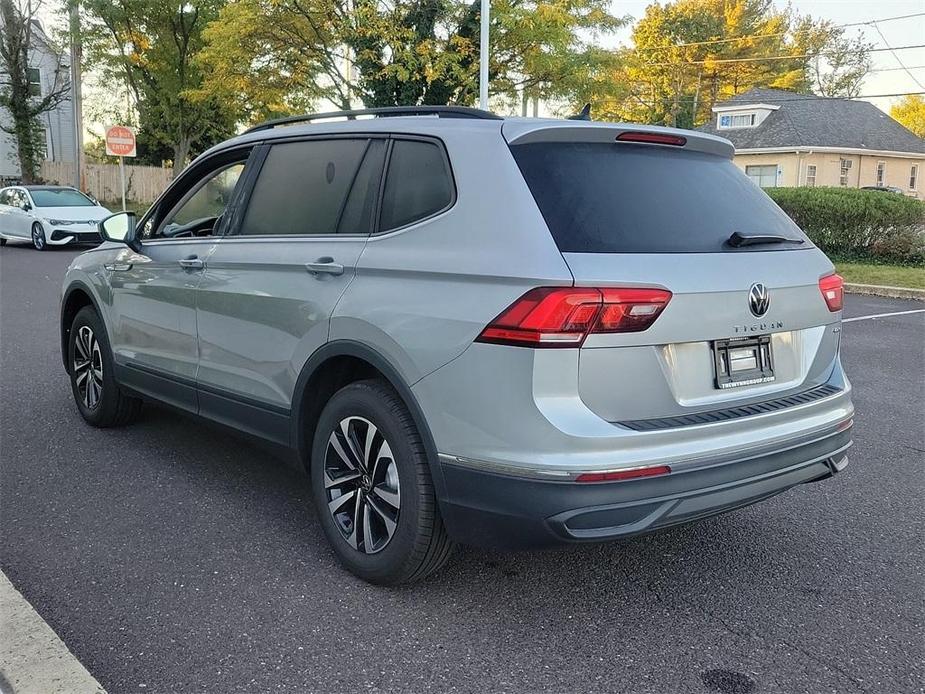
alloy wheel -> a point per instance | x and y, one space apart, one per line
361 485
38 237
88 367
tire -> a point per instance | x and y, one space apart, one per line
39 242
394 487
102 403
2 242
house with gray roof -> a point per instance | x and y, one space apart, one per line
787 139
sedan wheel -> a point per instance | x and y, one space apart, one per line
38 237
361 485
88 368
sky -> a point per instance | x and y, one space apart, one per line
905 32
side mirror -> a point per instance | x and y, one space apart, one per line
26 207
121 227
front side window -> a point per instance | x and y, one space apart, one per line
811 175
302 188
418 184
4 197
200 212
764 176
913 175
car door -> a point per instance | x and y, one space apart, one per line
6 195
153 309
272 282
18 214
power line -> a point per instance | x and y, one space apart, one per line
887 44
726 61
772 100
893 69
733 39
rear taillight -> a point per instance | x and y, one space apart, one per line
618 475
565 316
652 138
833 291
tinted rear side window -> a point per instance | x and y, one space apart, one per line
302 187
418 184
357 217
619 198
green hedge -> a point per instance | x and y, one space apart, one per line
863 224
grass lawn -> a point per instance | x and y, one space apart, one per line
884 275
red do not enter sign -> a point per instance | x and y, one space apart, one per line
120 141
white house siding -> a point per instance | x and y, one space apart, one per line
58 123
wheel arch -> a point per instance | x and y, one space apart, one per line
77 296
324 373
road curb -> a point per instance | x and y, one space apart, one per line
33 660
891 292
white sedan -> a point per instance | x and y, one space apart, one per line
49 216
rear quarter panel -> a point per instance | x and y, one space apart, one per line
423 293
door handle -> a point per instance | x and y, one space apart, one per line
326 266
191 263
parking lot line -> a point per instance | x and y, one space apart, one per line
883 315
33 660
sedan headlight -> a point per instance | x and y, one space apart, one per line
67 222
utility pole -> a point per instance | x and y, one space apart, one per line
483 57
76 95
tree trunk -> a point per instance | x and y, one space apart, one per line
181 153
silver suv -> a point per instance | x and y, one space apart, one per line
501 332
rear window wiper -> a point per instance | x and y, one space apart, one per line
738 239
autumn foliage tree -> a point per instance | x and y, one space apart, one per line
270 57
910 111
689 54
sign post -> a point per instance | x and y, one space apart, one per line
120 142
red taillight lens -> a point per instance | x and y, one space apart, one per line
618 475
565 316
652 138
833 291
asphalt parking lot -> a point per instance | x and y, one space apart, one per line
175 557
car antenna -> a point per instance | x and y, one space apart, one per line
584 114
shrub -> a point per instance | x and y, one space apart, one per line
864 224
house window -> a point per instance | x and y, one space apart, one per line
811 175
739 120
844 168
881 167
913 176
764 176
35 81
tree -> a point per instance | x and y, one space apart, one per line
20 95
910 111
151 46
689 54
277 56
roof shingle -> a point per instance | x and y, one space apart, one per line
810 121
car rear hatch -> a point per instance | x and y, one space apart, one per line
746 320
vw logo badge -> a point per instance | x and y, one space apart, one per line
758 299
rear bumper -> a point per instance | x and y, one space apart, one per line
487 508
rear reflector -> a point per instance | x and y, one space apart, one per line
652 138
618 475
565 316
833 291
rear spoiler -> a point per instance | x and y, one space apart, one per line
522 131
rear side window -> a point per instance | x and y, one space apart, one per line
302 187
620 198
418 184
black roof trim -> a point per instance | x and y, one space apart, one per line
385 111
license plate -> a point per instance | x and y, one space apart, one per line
743 361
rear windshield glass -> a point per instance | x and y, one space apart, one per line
619 198
62 197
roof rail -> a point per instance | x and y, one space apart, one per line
385 111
